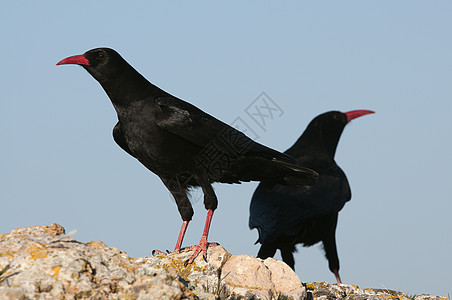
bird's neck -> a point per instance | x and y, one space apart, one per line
314 145
128 87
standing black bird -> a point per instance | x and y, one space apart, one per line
180 143
286 216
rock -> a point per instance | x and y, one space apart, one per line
42 262
324 291
266 279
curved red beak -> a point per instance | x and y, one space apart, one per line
353 114
76 59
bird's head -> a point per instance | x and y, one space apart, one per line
324 131
333 122
102 63
122 83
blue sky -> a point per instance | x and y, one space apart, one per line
60 164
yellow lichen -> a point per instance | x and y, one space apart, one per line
37 254
97 245
56 270
7 254
184 271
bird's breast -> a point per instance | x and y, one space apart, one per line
158 150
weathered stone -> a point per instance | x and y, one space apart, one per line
42 262
323 290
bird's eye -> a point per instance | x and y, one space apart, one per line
100 56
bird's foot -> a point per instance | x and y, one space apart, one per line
201 247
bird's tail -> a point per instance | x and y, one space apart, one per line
285 169
296 174
261 163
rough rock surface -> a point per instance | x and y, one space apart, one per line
326 291
42 262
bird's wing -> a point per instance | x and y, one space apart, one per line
195 126
119 139
188 122
278 210
192 124
199 128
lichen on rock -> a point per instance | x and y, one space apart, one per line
42 262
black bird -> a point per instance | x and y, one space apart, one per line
180 143
287 215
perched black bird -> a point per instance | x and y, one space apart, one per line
180 143
287 215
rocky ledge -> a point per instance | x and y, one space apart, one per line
42 262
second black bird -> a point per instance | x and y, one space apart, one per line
286 216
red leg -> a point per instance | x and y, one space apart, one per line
338 278
178 243
181 236
202 246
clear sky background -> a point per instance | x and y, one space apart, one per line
59 162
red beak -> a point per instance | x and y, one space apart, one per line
353 114
76 59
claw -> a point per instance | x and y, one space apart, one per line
201 247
